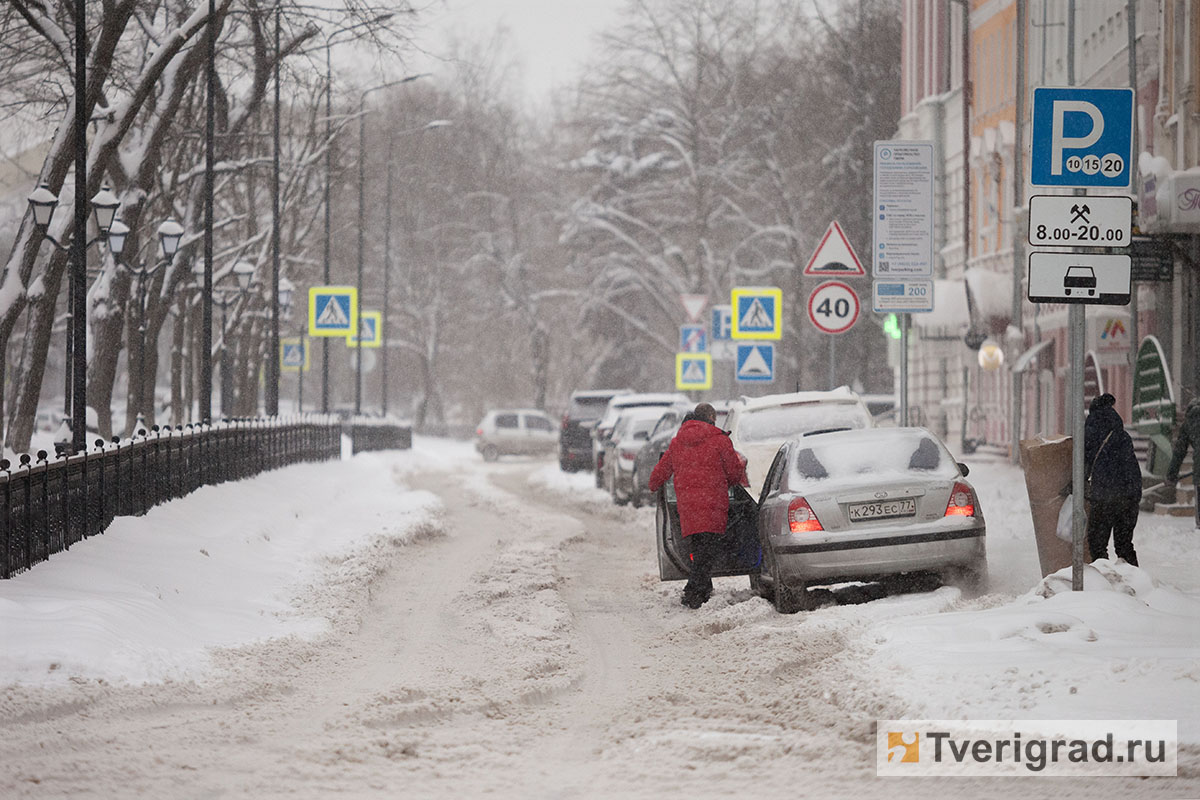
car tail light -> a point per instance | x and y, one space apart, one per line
564 422
479 431
628 455
801 518
962 501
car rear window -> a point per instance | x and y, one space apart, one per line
784 422
585 408
887 454
506 420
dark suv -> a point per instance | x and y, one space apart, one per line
575 439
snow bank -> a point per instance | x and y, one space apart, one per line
146 600
1127 647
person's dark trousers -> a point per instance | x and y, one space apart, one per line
1115 516
704 548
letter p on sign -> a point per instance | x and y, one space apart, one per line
1059 141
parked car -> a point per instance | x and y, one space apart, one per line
759 425
842 506
575 437
660 438
604 427
630 434
865 505
515 432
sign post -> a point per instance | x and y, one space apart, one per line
1082 138
902 212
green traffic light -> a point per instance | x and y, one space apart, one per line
891 326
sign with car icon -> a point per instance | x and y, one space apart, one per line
1079 278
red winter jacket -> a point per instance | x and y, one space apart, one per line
705 465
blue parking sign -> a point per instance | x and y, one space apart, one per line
1081 137
722 323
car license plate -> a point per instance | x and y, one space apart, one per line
906 507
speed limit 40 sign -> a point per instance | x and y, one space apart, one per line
833 307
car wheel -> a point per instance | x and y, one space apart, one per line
490 453
787 599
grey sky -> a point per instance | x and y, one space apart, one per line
551 38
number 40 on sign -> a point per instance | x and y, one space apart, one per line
833 307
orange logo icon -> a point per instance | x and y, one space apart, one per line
904 747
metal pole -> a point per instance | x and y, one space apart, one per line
362 180
225 370
1134 333
1077 322
273 361
140 394
1014 454
387 272
209 158
832 360
328 172
903 369
77 285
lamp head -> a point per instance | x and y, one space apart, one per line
286 290
117 232
169 234
42 202
244 272
104 206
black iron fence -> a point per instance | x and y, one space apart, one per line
46 505
378 434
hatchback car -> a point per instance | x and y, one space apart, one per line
865 505
604 427
575 437
515 432
759 425
629 436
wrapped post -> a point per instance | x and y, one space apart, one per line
1047 466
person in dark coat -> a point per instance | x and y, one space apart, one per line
1116 481
1188 436
704 465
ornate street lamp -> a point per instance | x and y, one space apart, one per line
42 203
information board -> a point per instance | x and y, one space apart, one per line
902 213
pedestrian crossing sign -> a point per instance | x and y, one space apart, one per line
755 362
693 371
293 354
757 313
332 310
370 330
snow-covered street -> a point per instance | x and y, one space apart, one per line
423 624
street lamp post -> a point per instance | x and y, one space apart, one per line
329 37
387 253
42 203
362 180
169 234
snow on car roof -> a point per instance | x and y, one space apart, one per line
649 399
842 394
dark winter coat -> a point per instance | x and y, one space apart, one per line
1114 467
1188 435
704 464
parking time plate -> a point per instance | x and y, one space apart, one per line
883 510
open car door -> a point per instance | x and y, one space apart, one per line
741 555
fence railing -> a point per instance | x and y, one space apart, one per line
47 505
378 434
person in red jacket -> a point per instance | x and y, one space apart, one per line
705 465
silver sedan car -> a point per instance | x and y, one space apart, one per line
858 505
